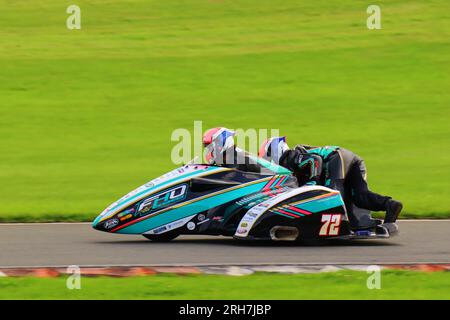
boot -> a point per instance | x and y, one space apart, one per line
392 211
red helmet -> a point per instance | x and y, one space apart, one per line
216 141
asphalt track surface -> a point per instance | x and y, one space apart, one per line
62 244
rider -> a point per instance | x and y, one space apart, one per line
221 150
333 167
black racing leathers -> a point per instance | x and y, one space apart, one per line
340 169
306 167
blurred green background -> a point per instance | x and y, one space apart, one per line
86 115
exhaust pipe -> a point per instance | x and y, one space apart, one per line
284 233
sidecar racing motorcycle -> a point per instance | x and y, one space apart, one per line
213 200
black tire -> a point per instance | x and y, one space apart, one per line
163 237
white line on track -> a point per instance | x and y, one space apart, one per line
41 223
422 220
237 264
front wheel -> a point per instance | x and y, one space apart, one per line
163 237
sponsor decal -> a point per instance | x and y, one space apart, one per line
126 212
248 219
248 199
162 200
252 215
190 226
159 230
177 223
170 226
258 209
241 231
128 216
111 223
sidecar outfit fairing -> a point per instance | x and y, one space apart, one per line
212 200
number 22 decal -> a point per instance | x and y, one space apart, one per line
331 224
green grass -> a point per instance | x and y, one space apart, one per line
335 285
87 115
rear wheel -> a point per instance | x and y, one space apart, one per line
163 237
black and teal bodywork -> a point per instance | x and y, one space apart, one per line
214 200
